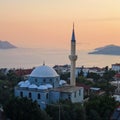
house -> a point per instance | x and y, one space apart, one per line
116 67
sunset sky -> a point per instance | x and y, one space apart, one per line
48 23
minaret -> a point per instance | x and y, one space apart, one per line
73 58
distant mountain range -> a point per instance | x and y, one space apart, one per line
107 50
6 45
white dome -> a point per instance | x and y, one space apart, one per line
24 85
33 86
42 87
44 71
62 82
49 86
27 82
21 82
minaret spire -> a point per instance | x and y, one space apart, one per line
73 58
73 34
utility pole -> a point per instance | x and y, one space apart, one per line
59 112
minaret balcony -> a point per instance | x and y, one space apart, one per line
73 57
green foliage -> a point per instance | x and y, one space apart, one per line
105 86
93 75
68 111
104 82
108 75
24 109
80 73
93 115
2 76
83 80
100 107
7 84
65 76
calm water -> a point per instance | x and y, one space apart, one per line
31 57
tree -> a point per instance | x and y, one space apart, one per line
95 76
108 76
83 80
68 111
101 106
65 76
7 84
93 115
24 109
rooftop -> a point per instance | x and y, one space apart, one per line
67 89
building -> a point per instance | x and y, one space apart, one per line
45 87
82 69
62 68
116 114
116 67
85 71
116 83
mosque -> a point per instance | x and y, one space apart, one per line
45 87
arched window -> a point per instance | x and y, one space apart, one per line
30 95
79 92
44 80
36 80
39 96
50 80
75 94
69 97
47 96
21 94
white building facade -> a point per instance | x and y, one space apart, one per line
45 87
116 67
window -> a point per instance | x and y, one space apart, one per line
39 96
21 94
69 96
30 95
50 80
35 79
75 94
47 96
79 92
44 80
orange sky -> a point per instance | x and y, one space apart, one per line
48 23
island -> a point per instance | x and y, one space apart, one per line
107 50
6 45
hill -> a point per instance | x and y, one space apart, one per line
107 50
6 45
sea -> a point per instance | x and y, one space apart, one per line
33 57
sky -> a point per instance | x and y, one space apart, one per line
48 23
